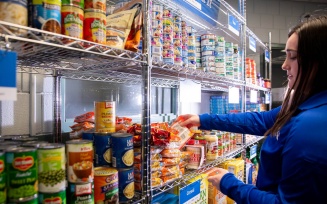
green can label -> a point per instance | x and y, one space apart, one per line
3 175
53 198
80 193
22 173
52 171
78 3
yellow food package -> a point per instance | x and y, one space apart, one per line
214 195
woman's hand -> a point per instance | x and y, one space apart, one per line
189 120
215 179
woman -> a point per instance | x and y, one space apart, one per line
293 166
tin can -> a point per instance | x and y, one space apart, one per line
126 184
122 150
47 16
21 166
79 161
157 41
102 149
52 170
106 185
87 136
34 144
94 27
167 13
3 180
105 116
14 12
80 193
95 4
53 198
29 200
157 15
72 18
24 139
77 3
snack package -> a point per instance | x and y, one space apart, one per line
134 36
119 27
86 117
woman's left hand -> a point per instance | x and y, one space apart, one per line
215 179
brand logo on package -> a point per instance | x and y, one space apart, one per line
83 189
55 200
23 163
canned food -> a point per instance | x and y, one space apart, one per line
24 139
167 13
34 144
102 149
80 193
52 170
79 160
77 3
72 18
106 185
21 166
95 4
168 53
122 150
156 41
29 200
126 184
157 15
87 136
94 28
47 16
168 60
105 116
53 198
14 12
3 180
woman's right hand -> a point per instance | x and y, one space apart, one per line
189 120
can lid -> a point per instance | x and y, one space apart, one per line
23 200
96 11
51 146
35 144
79 142
104 171
119 134
20 149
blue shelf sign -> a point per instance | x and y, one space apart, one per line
267 56
233 24
252 44
8 88
190 193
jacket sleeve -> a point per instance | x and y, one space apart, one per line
247 123
244 193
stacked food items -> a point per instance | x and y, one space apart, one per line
157 33
168 35
177 38
184 44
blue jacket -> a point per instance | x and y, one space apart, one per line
293 167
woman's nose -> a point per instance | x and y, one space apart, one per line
285 66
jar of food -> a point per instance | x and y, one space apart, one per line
212 147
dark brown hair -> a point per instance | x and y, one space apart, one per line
312 68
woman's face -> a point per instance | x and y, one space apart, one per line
290 64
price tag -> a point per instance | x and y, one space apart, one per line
233 24
8 87
190 194
234 95
253 96
252 44
253 151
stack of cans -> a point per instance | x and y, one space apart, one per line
229 50
220 56
191 47
198 51
157 32
168 43
208 44
236 62
177 38
184 44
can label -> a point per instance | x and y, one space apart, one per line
95 4
167 13
53 198
105 116
52 171
178 52
3 180
94 28
72 19
126 184
157 32
102 149
22 173
87 136
106 185
80 193
122 150
80 161
47 16
77 3
168 53
157 15
156 41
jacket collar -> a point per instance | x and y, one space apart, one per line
314 101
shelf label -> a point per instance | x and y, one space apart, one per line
190 193
233 24
253 96
252 44
189 91
205 9
253 151
267 56
234 95
8 88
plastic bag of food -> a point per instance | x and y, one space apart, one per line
119 27
86 117
134 36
